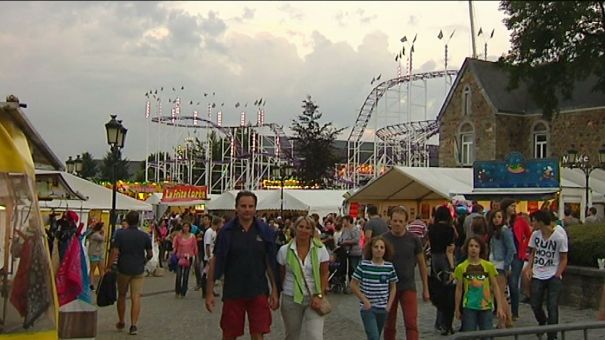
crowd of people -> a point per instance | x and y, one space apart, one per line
473 265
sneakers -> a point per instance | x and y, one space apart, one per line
133 330
120 325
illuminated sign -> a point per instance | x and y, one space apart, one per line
185 193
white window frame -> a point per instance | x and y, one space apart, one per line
466 101
540 147
466 139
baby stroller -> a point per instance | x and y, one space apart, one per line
338 267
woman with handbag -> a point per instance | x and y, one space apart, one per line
304 274
185 249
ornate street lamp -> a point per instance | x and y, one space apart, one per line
282 172
69 165
78 165
572 159
116 135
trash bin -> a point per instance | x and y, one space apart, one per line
77 319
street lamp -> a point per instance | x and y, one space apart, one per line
574 160
116 134
78 165
283 171
69 165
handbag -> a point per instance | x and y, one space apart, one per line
106 292
184 262
318 303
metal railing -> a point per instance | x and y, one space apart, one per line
560 329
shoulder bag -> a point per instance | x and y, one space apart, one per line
319 303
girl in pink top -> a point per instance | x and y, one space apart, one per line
185 248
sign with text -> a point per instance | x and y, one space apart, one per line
185 193
516 172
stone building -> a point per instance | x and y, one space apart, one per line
482 120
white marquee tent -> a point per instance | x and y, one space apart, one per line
97 196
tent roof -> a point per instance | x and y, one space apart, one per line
321 202
415 183
42 154
97 196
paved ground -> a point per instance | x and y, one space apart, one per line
165 317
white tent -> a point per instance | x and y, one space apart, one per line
320 202
97 196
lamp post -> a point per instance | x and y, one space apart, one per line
283 171
116 134
575 160
74 166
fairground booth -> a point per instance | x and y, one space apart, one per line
29 300
177 197
534 183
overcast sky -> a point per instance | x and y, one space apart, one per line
74 63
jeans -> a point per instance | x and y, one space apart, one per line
409 306
552 288
473 319
197 269
300 321
373 322
353 262
513 285
182 279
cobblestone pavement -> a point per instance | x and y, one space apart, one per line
165 317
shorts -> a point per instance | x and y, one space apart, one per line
95 258
134 282
234 310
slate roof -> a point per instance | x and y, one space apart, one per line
494 80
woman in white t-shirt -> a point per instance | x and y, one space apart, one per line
304 275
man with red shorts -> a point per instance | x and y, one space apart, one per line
245 253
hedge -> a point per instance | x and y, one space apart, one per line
586 244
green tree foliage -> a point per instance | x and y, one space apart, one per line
553 44
313 144
89 167
121 166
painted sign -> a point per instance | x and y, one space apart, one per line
516 172
184 193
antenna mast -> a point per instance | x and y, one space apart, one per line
471 14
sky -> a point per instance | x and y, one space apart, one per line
75 63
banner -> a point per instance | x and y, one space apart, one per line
185 193
516 172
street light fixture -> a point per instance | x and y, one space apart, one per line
78 163
282 172
573 159
69 165
116 135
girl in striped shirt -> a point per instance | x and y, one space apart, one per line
374 283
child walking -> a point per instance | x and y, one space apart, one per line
476 287
374 282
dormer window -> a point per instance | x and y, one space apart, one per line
466 101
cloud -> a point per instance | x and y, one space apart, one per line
248 13
428 66
365 19
292 12
341 18
412 20
75 68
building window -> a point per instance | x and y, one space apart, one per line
540 140
466 139
466 101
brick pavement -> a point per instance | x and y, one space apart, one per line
165 317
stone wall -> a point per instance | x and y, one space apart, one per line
496 135
582 287
481 118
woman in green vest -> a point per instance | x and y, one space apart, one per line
304 275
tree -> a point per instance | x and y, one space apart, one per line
89 167
121 166
553 44
313 144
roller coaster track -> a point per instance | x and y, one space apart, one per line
416 131
371 101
